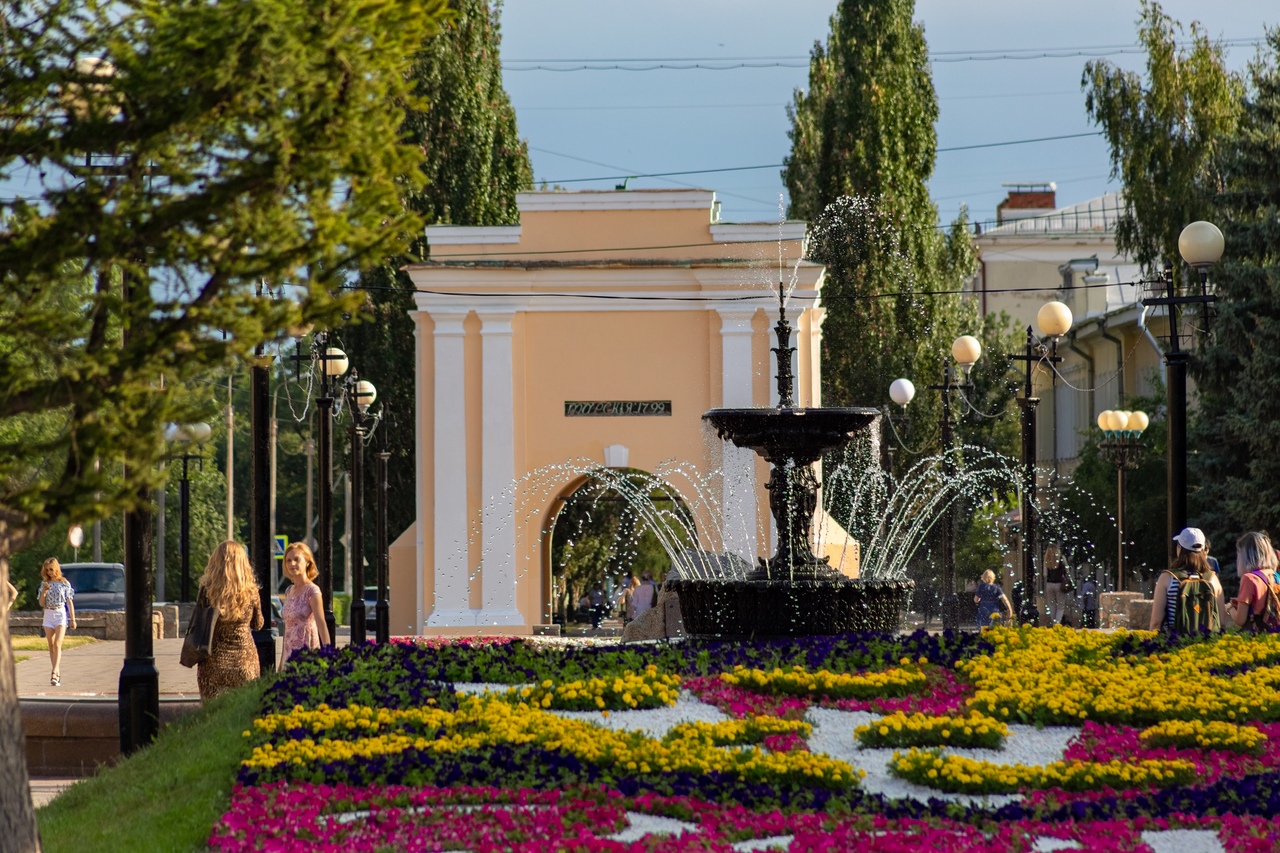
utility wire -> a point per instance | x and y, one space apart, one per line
780 165
731 63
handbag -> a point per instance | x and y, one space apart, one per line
198 643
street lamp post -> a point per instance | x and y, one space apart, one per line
333 363
1122 431
260 501
901 392
966 350
199 433
1200 245
360 394
1054 320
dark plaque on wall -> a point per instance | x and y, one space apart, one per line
616 408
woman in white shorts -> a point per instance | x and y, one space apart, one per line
55 597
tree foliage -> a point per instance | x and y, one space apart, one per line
863 149
184 153
473 163
1236 426
1166 132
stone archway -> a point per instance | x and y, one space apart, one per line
633 544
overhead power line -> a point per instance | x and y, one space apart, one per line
779 165
731 63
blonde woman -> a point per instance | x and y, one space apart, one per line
55 597
990 599
228 584
1256 565
304 625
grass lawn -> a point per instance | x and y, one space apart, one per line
38 644
164 798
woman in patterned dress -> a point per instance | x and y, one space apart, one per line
55 597
304 625
229 585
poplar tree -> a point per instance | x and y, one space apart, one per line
474 163
1236 426
180 154
1165 131
863 147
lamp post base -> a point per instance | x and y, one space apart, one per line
139 703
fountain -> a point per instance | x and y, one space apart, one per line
795 592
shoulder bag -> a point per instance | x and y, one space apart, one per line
198 643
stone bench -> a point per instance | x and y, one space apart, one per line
99 624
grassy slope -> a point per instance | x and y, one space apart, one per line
165 797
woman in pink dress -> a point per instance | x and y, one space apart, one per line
304 626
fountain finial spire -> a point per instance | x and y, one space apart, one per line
783 350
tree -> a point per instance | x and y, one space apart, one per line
863 149
1236 425
474 164
1165 133
186 152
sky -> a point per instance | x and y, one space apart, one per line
607 124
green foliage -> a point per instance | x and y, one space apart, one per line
474 163
173 791
233 144
1166 133
863 148
1235 429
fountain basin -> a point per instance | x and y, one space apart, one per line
801 435
740 608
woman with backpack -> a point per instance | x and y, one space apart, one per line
1188 596
1256 606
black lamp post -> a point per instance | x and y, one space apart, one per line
901 392
1122 431
382 614
333 363
199 433
260 500
1200 245
966 350
1054 320
360 395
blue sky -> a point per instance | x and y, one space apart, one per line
641 122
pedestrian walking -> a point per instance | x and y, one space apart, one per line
596 601
1089 600
1188 595
991 601
228 584
1256 606
303 610
1055 584
645 596
628 605
55 597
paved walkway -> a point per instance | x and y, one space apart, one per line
93 672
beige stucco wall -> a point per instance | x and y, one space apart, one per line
566 347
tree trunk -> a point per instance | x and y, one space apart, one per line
18 832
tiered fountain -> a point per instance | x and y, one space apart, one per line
794 593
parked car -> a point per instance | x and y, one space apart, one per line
98 586
371 610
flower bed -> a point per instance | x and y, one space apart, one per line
1015 739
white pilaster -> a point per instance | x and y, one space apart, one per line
498 473
422 405
452 605
738 483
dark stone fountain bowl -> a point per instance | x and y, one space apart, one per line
801 435
738 608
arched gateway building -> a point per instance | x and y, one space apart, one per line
600 328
